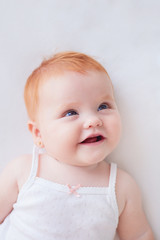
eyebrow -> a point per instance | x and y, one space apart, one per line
75 104
67 105
108 96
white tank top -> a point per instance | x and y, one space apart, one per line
50 211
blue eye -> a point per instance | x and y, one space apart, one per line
70 113
103 106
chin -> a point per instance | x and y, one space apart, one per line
92 161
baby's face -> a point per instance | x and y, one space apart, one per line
78 118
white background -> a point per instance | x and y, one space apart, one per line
125 37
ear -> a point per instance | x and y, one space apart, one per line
33 128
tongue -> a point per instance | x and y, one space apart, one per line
90 140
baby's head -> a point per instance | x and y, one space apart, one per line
72 110
55 66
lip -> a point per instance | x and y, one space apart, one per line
93 139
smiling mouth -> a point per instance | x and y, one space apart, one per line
93 139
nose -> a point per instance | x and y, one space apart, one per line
93 121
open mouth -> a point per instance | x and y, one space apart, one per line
93 139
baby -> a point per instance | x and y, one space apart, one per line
68 190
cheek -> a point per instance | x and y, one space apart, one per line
115 128
65 134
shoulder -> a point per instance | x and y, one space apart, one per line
18 169
125 180
15 166
23 167
126 189
23 160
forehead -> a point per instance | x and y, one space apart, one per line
72 85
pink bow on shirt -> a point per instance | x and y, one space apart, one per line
73 189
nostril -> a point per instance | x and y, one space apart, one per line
93 123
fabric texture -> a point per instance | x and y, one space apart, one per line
52 211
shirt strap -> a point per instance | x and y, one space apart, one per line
112 189
33 172
113 175
34 167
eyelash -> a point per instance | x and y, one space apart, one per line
73 112
70 113
105 106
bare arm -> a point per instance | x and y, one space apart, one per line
133 224
8 190
11 180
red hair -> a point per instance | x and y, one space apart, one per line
56 65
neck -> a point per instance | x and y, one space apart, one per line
89 168
75 170
70 174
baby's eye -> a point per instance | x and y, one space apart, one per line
70 113
103 106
